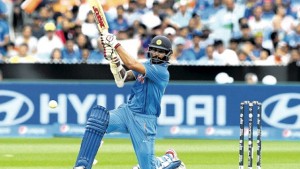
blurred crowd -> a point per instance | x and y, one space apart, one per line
203 32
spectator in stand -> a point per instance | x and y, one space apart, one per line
83 9
185 33
23 56
69 15
142 34
18 19
66 31
295 55
4 32
120 22
77 30
89 28
207 39
287 4
246 34
45 14
170 33
195 52
26 37
271 44
250 7
165 22
207 13
234 44
70 53
85 56
281 55
295 6
142 55
208 58
97 55
242 21
268 12
132 14
282 22
246 41
195 23
264 55
152 18
48 42
223 55
157 30
83 42
11 51
285 52
248 48
56 56
268 9
58 20
222 20
178 48
167 6
166 13
201 5
227 20
293 38
182 16
259 46
37 26
257 24
243 58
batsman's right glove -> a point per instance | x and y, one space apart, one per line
110 40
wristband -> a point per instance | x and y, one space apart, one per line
117 45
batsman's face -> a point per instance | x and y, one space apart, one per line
158 53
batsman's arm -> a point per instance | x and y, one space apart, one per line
120 74
130 62
111 43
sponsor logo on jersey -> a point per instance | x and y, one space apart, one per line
141 78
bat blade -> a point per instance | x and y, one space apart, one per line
100 18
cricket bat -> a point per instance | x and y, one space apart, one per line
100 18
103 28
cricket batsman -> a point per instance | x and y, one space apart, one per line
138 116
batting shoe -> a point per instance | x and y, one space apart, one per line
136 167
172 163
175 159
79 167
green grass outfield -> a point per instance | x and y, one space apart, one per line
60 153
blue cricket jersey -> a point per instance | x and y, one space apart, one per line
148 89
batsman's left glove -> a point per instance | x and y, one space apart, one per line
110 40
108 52
117 70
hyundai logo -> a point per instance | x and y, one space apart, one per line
282 111
15 108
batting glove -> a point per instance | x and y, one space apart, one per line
108 52
110 40
115 58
